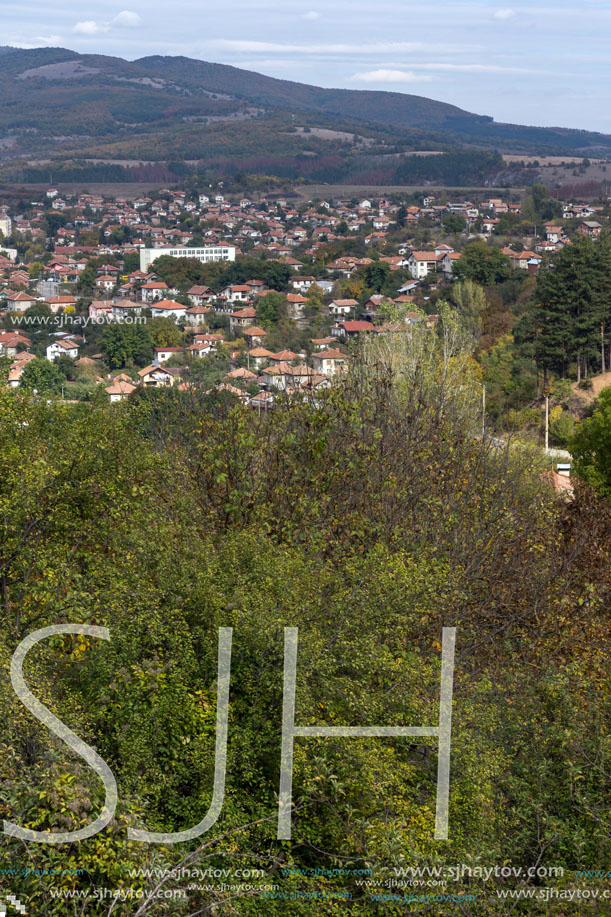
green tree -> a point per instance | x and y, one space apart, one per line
274 274
131 262
484 264
85 285
314 304
470 300
164 332
271 309
454 222
40 310
591 446
55 220
126 345
563 319
43 376
5 368
376 275
207 371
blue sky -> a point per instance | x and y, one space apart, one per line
541 62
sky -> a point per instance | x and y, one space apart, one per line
542 62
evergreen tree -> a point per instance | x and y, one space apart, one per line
563 320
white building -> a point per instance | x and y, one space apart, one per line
420 264
62 348
342 306
6 225
328 362
205 253
168 308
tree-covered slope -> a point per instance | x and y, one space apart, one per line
57 92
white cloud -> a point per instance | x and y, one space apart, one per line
89 27
49 40
504 14
124 19
471 68
128 19
392 76
391 47
311 15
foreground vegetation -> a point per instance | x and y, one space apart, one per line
369 520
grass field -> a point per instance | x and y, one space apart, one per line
333 191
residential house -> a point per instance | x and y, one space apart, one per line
242 318
201 348
55 303
10 341
282 376
19 302
124 308
254 335
154 290
302 283
590 228
105 283
120 390
421 264
489 224
168 308
553 233
198 295
237 293
448 261
242 375
100 309
351 329
258 356
197 314
329 362
283 356
343 306
323 343
263 401
155 376
296 304
62 347
162 354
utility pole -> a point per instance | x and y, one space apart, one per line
483 411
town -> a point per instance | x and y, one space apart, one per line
186 288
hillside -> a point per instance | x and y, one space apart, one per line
59 104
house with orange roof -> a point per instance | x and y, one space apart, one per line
329 362
168 308
120 390
254 335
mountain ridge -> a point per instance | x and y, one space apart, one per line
58 103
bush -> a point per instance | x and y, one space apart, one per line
561 429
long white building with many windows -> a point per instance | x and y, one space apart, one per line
205 253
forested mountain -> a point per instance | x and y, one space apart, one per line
52 98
